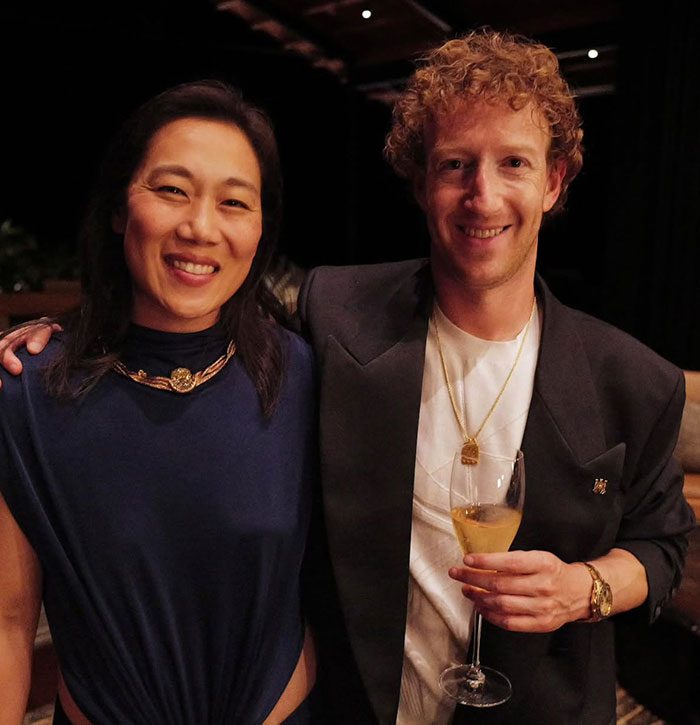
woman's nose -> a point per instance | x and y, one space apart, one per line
199 225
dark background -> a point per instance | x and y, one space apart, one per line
625 250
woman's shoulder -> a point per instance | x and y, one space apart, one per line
298 358
33 365
297 347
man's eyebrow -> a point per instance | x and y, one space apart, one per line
521 148
184 172
464 150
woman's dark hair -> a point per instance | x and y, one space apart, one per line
99 326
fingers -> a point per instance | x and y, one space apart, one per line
516 572
38 336
514 562
520 591
10 362
502 583
516 622
34 335
511 604
8 359
517 613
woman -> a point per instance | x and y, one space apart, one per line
155 477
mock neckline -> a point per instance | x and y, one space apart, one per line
158 352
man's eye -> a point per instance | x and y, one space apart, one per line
448 165
171 189
515 163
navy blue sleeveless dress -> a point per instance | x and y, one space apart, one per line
170 530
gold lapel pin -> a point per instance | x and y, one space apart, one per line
600 486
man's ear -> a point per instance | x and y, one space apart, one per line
556 172
119 222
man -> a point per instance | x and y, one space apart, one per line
419 358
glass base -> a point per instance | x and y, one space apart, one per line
474 686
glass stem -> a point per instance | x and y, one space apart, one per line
476 640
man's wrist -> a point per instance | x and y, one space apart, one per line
579 587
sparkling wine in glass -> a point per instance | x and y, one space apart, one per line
486 504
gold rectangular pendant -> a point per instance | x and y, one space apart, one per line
470 452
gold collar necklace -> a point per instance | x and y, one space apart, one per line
470 449
181 380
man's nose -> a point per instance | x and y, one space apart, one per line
483 193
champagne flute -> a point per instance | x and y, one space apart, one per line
486 503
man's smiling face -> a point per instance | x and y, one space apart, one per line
487 184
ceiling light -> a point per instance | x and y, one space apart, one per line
366 14
592 53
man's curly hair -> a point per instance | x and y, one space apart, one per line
494 67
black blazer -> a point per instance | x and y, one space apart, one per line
603 406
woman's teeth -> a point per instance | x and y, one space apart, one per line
193 268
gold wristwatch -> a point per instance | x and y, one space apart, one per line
601 596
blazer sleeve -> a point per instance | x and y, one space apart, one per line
657 517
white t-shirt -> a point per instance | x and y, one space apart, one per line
439 616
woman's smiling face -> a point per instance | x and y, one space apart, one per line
192 223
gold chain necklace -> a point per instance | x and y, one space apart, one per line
181 380
470 449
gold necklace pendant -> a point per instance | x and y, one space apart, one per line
470 449
470 452
181 380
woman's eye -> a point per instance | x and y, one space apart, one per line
235 203
515 163
452 164
170 189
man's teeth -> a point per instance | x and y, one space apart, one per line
482 233
193 268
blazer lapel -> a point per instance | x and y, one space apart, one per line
564 441
563 381
565 451
368 441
